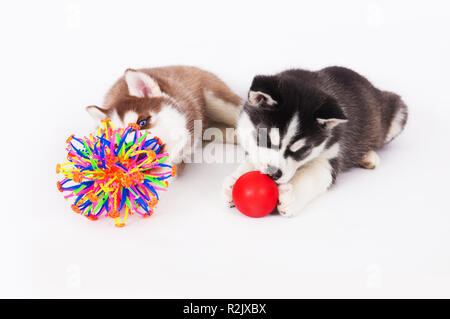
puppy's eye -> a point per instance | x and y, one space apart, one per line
143 122
306 149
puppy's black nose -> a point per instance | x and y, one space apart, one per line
274 172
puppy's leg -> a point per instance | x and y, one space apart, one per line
228 184
309 182
370 160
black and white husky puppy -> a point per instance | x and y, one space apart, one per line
303 128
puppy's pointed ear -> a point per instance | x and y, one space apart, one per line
97 113
330 114
264 91
257 98
141 84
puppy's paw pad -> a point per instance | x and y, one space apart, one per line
285 200
286 210
227 191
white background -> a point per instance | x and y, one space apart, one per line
382 233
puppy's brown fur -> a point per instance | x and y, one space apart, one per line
194 93
185 84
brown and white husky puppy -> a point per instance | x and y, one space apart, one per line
167 101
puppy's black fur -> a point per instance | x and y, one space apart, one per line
331 93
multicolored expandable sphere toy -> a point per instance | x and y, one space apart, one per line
118 172
255 194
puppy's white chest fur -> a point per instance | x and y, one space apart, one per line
170 125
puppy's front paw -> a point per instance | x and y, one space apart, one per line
228 190
285 200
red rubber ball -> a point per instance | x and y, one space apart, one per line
255 194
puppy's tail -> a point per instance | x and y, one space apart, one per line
398 111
